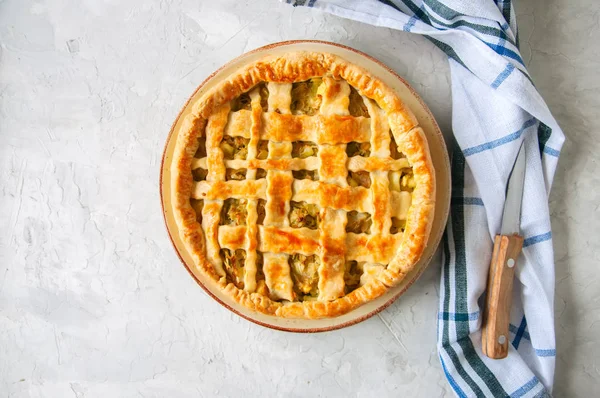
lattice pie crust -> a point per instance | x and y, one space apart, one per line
303 186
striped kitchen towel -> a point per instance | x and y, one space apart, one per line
495 108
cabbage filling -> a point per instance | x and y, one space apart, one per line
234 147
261 285
264 96
357 107
304 270
359 179
260 210
261 173
199 174
233 262
242 102
235 174
263 149
234 212
306 99
304 149
359 223
402 180
306 175
304 215
397 226
358 149
352 273
394 152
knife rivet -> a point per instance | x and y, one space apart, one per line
501 339
510 262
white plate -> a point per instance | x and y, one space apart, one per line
439 155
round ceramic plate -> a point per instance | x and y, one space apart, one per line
439 155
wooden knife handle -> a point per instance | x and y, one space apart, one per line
496 314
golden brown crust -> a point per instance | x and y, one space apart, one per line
333 127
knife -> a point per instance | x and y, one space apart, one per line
507 247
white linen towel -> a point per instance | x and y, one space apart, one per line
495 107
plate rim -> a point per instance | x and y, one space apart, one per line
351 322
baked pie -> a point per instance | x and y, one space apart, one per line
303 186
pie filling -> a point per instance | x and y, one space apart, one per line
306 99
233 262
402 180
261 173
234 147
263 91
352 273
398 225
306 175
244 102
304 149
304 274
357 107
304 215
261 285
234 212
312 97
359 223
359 179
395 153
235 174
260 211
262 150
358 149
199 174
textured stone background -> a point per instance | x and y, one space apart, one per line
93 300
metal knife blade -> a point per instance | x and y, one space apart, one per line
511 218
